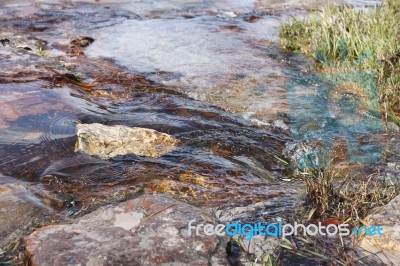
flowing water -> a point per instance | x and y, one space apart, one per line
210 73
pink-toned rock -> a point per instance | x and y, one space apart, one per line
148 230
19 208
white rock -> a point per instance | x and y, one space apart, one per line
110 141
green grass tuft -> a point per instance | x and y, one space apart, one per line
351 39
42 53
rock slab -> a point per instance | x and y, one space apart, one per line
387 247
149 230
110 141
19 207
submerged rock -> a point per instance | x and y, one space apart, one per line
110 141
19 209
148 230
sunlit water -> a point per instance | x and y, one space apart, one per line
227 54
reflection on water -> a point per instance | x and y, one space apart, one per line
342 105
211 61
38 144
224 53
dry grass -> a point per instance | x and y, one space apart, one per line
334 198
330 194
318 250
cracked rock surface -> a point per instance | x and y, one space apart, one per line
109 141
148 230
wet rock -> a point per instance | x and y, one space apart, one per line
148 230
82 41
258 249
253 252
263 210
19 208
5 42
391 169
76 45
388 245
20 41
110 141
25 58
251 18
24 99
